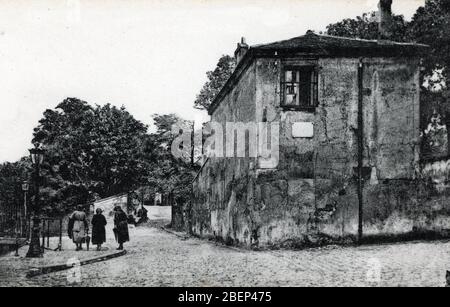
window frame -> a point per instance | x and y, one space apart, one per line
313 84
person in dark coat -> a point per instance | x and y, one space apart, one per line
131 220
142 215
98 229
121 227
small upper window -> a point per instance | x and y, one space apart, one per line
299 88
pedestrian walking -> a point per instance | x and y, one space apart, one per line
78 227
121 227
98 229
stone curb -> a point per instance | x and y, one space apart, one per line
61 267
185 237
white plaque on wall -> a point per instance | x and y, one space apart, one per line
303 130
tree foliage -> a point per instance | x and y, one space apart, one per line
90 152
431 25
12 176
366 27
98 151
216 80
166 173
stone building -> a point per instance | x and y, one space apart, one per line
349 139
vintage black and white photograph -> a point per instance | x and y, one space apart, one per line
248 144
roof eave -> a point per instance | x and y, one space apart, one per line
382 50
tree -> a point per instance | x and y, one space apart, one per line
116 149
431 25
166 173
99 151
216 80
366 27
90 151
12 176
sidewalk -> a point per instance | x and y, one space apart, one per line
13 269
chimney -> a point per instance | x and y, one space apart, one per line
241 50
385 22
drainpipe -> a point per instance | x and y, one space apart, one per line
315 180
360 148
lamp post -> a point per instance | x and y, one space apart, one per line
35 251
25 189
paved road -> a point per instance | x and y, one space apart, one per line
157 258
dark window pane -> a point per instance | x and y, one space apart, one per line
299 87
305 91
305 76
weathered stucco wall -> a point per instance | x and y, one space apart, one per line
311 197
219 206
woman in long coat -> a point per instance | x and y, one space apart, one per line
98 229
121 227
78 227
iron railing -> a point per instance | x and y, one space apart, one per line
13 222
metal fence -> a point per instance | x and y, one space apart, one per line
52 227
13 222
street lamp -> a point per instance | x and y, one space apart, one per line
35 251
37 156
25 189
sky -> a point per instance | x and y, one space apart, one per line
147 55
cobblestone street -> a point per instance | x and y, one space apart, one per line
158 258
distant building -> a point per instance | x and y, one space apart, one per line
108 204
158 199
